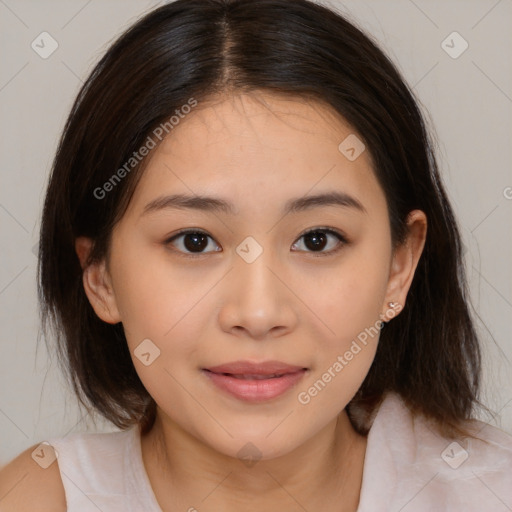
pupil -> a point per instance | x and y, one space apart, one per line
199 241
318 240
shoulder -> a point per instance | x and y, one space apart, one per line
486 448
32 481
431 470
60 474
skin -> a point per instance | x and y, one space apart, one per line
257 151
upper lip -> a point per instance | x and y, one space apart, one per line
250 368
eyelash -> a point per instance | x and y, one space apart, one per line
341 238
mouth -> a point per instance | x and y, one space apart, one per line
251 377
255 382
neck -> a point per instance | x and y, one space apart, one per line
325 472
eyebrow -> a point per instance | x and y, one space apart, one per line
214 204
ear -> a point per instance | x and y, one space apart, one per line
97 283
404 263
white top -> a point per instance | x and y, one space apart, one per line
407 468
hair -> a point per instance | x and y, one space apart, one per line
429 354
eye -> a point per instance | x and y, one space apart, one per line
195 242
317 239
191 241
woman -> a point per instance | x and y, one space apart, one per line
254 272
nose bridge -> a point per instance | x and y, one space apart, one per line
256 299
252 269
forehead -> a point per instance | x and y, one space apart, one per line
256 149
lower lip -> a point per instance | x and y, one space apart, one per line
255 390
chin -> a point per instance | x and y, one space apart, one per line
259 446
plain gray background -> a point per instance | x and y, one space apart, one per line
468 100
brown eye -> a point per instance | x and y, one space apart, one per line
191 242
318 239
315 240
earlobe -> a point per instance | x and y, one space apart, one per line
97 284
405 259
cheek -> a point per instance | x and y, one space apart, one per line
160 322
141 296
351 296
332 386
151 293
350 302
344 357
159 302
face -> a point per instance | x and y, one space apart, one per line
256 280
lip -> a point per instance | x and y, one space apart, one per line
255 382
250 368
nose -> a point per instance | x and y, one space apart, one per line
257 301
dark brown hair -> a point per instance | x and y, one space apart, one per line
197 49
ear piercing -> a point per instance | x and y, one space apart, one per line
394 308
